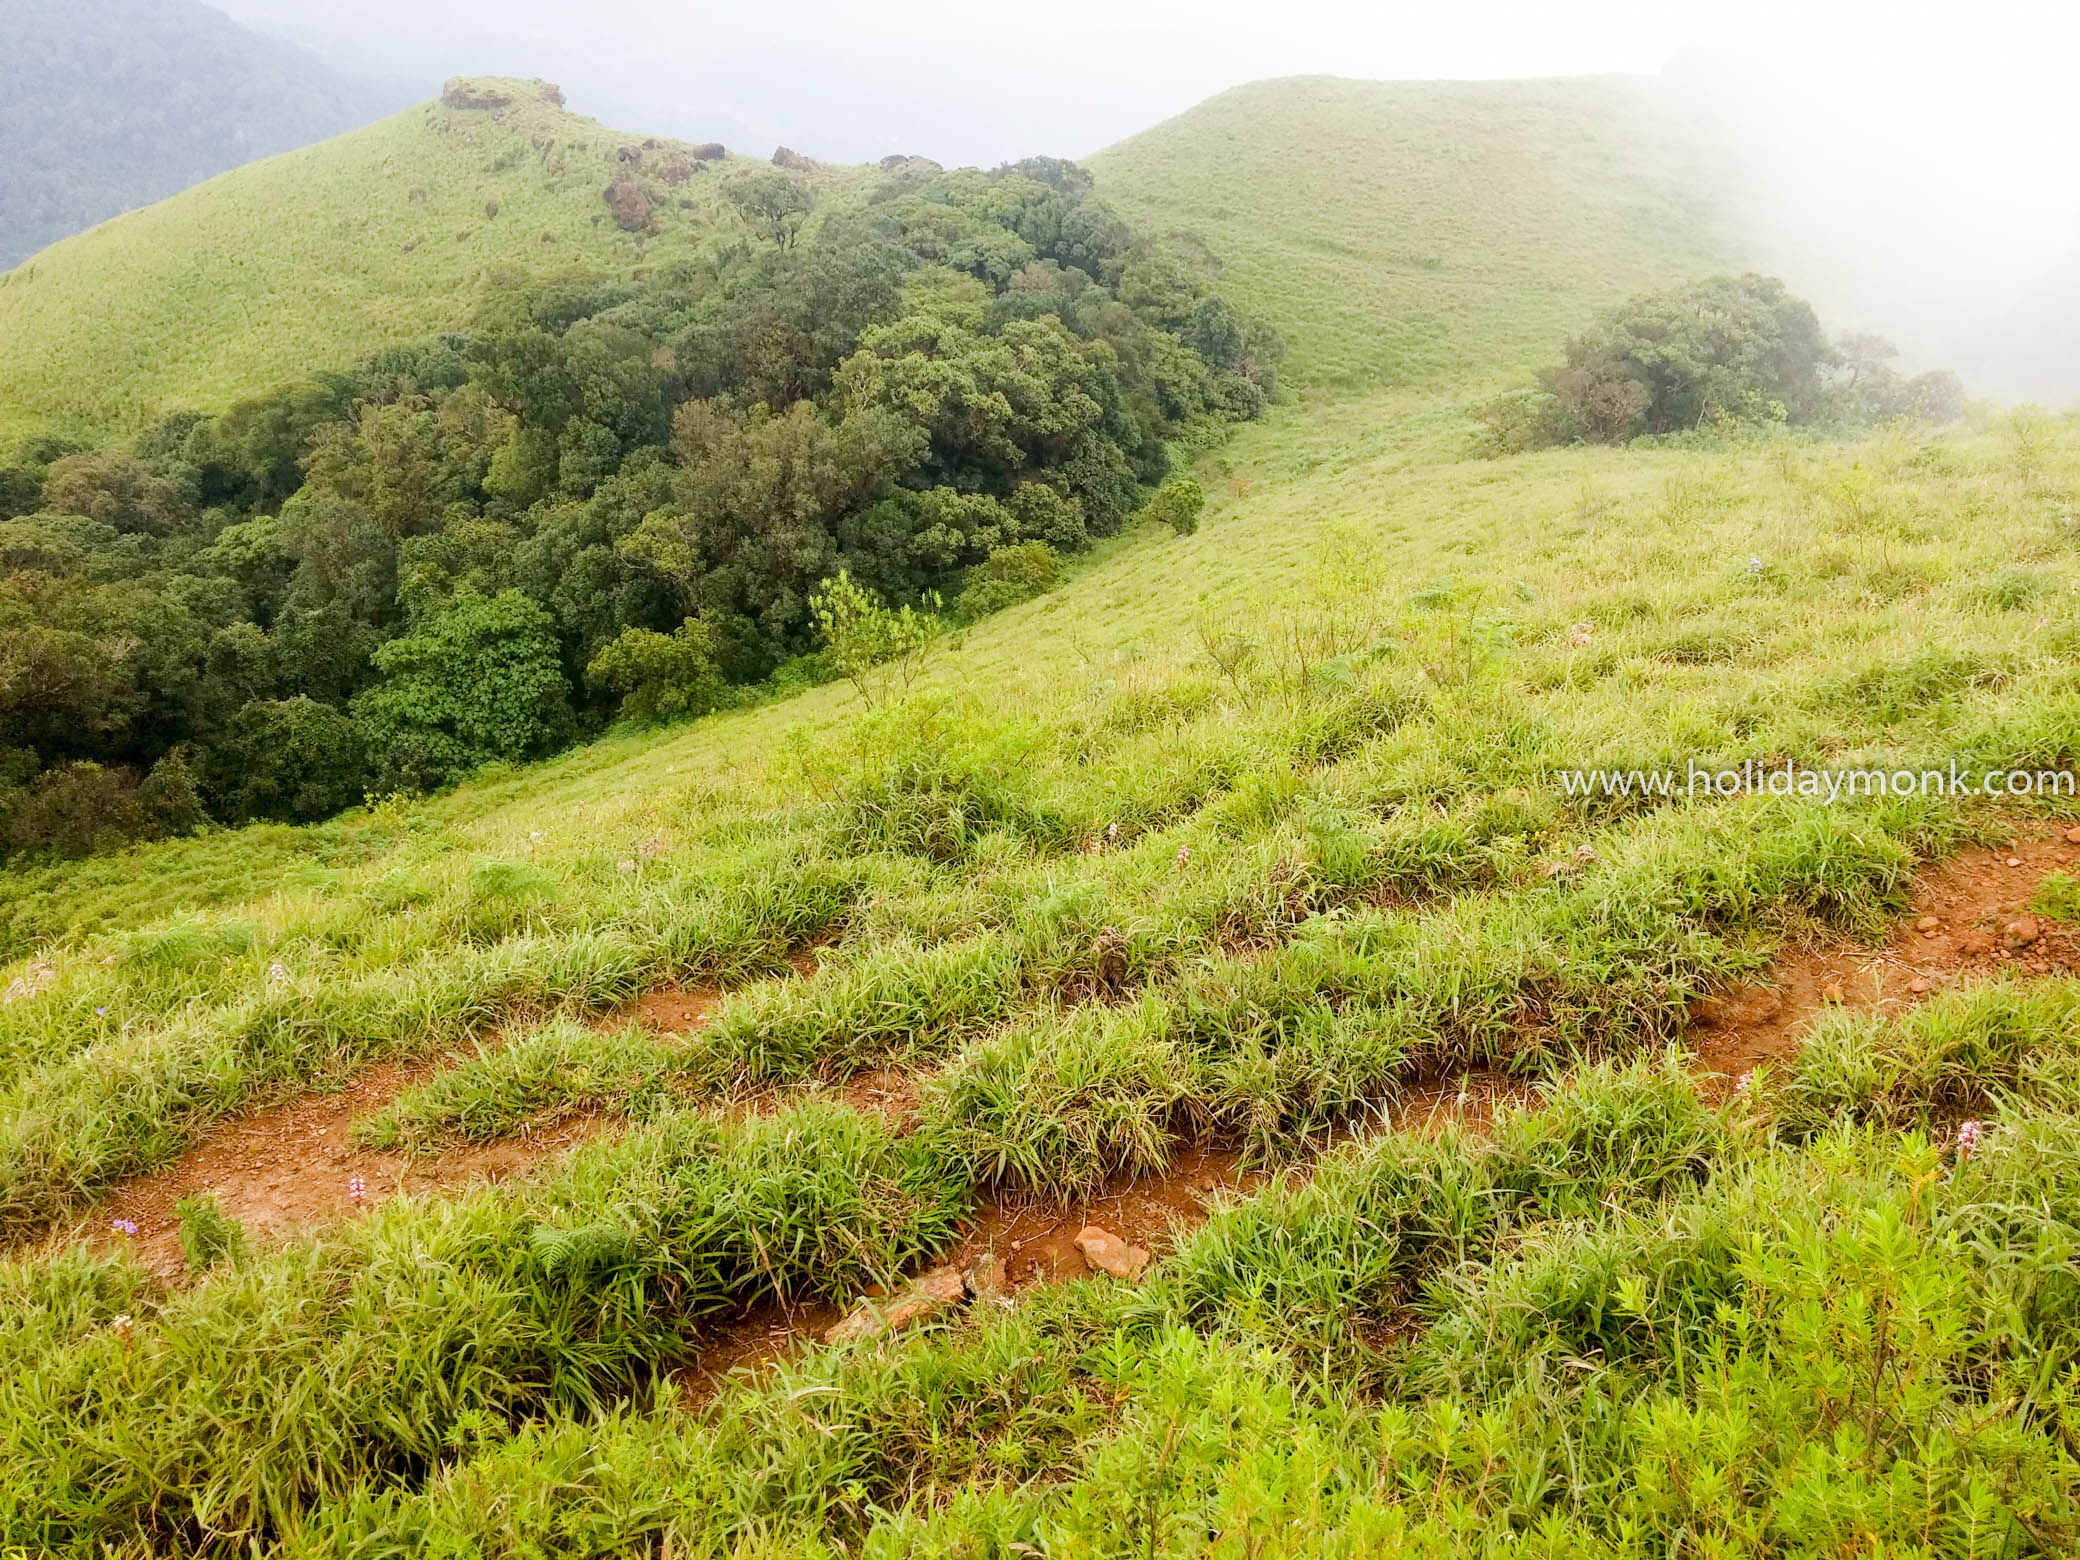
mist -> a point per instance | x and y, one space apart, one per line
1909 166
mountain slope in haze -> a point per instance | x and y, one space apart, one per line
106 105
1421 232
314 258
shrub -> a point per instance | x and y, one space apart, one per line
1011 575
1177 504
481 681
873 646
83 807
660 677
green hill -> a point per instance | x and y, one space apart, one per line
1418 232
1244 894
318 256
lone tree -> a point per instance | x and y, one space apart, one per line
876 648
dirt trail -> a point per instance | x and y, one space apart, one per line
1037 1242
1970 920
289 1168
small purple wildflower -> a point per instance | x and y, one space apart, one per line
101 1012
1969 1136
1744 1083
357 1189
123 1226
1184 857
120 1325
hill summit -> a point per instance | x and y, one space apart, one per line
1422 232
318 256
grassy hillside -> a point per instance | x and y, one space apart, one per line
1234 844
1329 728
314 258
1424 232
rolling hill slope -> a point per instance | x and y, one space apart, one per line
1422 232
313 258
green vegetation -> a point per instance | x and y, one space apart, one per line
1426 233
1235 832
1722 351
1329 878
605 499
314 259
107 105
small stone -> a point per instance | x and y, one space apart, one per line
2020 932
1975 943
988 1282
2014 861
2073 836
1928 923
1832 993
936 1291
1107 1253
1918 987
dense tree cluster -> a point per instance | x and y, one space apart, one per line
1724 350
604 498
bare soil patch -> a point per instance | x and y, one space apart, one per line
1969 921
1036 1242
288 1168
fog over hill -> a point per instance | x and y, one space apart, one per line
1913 172
106 105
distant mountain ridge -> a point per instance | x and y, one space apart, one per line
107 105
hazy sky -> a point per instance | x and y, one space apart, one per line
1943 138
981 83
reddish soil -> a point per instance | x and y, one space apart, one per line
1036 1240
887 1092
669 1010
285 1169
1955 933
1468 1099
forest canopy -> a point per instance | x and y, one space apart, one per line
605 498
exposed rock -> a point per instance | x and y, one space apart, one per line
627 154
783 158
709 151
988 1282
896 160
1975 943
550 91
938 1290
460 92
631 207
1107 1253
1919 986
2020 932
2073 836
1928 923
